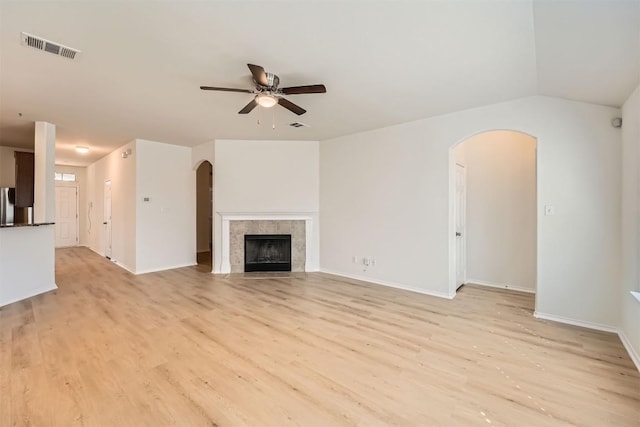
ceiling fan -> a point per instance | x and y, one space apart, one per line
268 93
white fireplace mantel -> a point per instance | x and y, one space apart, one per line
311 233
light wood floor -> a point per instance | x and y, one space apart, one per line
186 348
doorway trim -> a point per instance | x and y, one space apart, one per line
452 201
107 222
463 237
211 204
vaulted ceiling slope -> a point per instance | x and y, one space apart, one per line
383 63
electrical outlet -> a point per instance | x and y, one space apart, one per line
366 261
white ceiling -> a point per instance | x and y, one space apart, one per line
383 63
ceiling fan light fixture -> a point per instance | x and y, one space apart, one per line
266 100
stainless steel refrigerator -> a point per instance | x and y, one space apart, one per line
9 213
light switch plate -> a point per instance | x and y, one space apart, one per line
549 210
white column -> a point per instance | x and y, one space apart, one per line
225 268
44 205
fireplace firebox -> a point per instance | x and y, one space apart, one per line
267 252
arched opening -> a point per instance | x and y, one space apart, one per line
204 214
494 215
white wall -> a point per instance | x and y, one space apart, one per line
630 307
266 175
83 205
27 262
122 173
165 225
263 177
8 165
387 194
500 209
146 236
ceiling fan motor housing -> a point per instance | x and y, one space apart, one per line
273 81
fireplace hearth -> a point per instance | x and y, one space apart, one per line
267 252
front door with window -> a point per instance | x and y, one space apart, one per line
66 216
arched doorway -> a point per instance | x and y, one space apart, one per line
494 219
204 214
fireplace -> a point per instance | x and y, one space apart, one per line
267 252
304 238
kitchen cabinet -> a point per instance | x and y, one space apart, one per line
24 179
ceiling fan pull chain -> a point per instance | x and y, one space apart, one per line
259 114
273 126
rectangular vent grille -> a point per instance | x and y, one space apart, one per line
299 125
49 46
52 48
34 42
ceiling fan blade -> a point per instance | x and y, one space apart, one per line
226 89
291 106
298 90
259 75
247 108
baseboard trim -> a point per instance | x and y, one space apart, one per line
499 286
123 266
574 322
95 250
388 284
36 292
151 270
632 352
172 267
113 260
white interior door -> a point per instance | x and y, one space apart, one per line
66 216
460 216
107 219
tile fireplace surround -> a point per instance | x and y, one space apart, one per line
299 225
237 230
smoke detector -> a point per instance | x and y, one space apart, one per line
49 46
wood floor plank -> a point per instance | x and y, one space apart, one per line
184 347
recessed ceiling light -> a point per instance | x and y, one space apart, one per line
82 150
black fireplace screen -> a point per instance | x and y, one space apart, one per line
267 252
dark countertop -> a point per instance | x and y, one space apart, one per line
38 224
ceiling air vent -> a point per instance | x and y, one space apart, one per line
299 125
49 46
